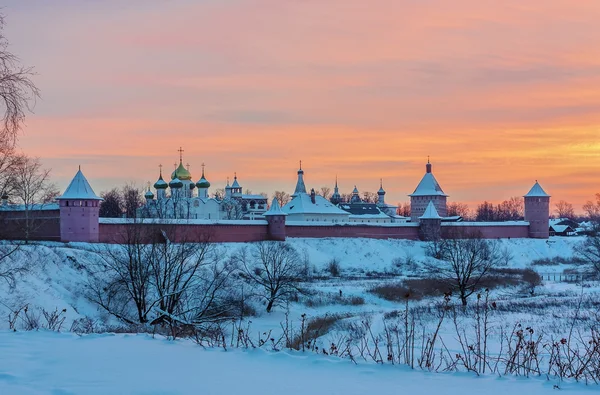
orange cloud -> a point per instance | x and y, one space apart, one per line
499 94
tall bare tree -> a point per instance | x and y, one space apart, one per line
17 91
275 268
33 190
464 259
190 280
112 204
132 200
564 209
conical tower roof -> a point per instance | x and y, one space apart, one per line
300 187
428 185
537 191
275 209
430 212
79 188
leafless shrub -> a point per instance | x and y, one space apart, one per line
311 330
333 267
54 319
84 326
413 289
318 299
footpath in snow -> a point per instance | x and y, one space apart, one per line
66 364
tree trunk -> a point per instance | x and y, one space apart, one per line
270 305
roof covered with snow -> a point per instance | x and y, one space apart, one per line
79 188
428 187
302 204
362 209
300 187
275 209
430 212
537 191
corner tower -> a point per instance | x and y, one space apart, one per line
79 209
428 190
276 221
537 212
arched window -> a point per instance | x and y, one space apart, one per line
67 203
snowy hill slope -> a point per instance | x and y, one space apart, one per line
57 273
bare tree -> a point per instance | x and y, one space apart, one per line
370 197
512 209
148 278
282 197
33 190
464 259
458 209
132 200
121 279
190 280
112 205
219 194
232 209
486 212
592 209
589 251
326 192
403 209
8 162
275 268
17 91
564 209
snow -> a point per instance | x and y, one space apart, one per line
428 187
22 207
302 204
275 209
430 212
381 224
503 223
79 188
168 221
53 363
537 191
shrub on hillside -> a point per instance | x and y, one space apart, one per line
333 267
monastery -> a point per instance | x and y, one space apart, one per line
185 208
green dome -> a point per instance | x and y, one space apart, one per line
149 194
176 183
203 183
182 173
160 184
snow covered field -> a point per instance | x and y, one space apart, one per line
45 362
65 364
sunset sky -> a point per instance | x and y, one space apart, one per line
498 93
